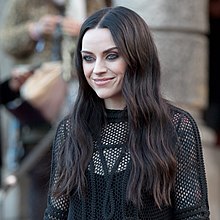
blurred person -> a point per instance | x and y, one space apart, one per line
10 91
28 116
27 37
124 152
37 31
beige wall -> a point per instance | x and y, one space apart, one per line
179 28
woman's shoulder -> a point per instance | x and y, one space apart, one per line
64 125
179 113
63 129
62 134
182 118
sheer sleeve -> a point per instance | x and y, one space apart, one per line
57 209
190 197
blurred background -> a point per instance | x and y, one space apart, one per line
187 34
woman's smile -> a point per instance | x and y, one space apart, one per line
103 81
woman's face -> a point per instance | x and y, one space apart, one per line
104 67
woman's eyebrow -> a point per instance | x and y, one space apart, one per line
105 51
109 49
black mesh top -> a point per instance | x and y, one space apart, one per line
108 174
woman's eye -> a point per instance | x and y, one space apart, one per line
112 56
88 58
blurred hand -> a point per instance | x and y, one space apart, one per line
45 26
18 77
70 26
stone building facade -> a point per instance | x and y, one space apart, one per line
180 30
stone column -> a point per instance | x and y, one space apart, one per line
179 28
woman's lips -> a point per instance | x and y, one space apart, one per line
102 81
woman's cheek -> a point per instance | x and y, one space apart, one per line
87 70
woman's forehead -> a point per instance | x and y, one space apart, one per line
96 38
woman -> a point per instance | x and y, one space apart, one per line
125 152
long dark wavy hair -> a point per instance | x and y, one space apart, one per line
151 143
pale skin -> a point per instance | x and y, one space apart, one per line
104 67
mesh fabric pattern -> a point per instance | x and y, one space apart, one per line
108 173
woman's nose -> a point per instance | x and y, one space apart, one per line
99 67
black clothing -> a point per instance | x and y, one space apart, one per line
108 172
212 113
22 110
6 94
